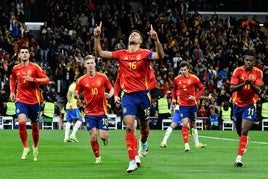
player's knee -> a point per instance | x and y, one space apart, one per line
22 124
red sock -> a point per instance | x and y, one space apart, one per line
95 147
144 134
35 134
242 144
185 134
23 133
131 143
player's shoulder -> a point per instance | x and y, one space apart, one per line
16 66
121 51
72 85
257 70
178 77
144 51
81 78
101 74
239 69
191 75
34 64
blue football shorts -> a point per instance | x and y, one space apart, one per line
176 118
137 103
72 115
31 111
99 122
245 113
188 112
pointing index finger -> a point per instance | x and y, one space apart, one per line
152 27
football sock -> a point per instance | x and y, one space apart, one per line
195 136
167 134
242 144
145 134
76 127
185 134
67 129
95 147
23 133
35 134
131 144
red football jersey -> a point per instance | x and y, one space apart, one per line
245 95
27 92
135 68
117 86
184 87
118 82
94 89
153 82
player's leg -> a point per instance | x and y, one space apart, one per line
35 135
103 127
131 142
185 134
69 120
95 145
77 125
243 141
23 111
143 114
34 111
144 134
92 123
195 135
175 122
184 114
247 116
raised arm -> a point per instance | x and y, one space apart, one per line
159 54
97 44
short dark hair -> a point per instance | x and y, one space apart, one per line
23 47
185 64
250 53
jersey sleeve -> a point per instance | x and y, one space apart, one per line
12 82
41 78
235 79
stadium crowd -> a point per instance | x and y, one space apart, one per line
214 46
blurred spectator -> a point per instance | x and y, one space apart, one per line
214 118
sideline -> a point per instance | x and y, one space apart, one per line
227 139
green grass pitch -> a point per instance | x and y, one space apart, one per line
76 160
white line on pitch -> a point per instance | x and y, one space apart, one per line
227 139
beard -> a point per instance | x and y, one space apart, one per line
132 42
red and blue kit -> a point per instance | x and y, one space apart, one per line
135 69
28 92
184 87
94 89
245 96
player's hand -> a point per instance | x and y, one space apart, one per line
107 95
192 98
153 34
174 101
12 96
97 30
117 99
28 78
